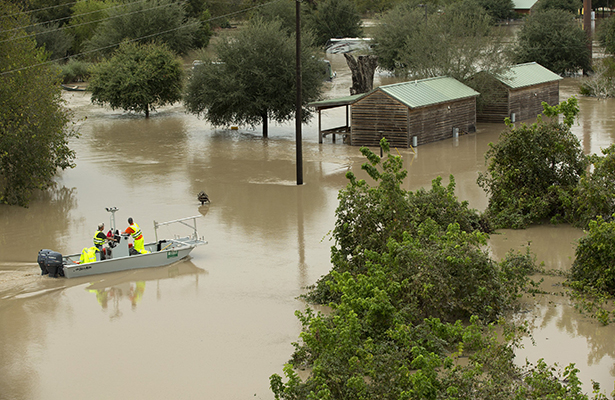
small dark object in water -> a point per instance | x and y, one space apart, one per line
203 198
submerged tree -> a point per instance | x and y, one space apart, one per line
157 21
391 332
533 170
34 130
334 19
419 42
138 78
253 79
554 39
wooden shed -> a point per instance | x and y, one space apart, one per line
524 7
413 113
519 93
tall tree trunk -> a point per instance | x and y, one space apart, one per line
147 111
362 70
265 126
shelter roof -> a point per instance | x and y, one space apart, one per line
430 91
337 102
528 74
523 4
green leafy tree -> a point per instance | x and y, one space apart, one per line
464 33
285 12
372 7
594 264
383 338
601 83
86 17
138 78
253 78
45 11
34 130
594 194
571 6
532 171
334 19
499 9
54 40
555 40
606 35
157 21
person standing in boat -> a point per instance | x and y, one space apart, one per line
99 239
136 234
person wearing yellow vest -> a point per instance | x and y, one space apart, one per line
99 239
134 231
88 255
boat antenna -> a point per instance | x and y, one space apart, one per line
112 210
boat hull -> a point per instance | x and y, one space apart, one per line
176 249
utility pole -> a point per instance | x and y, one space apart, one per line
587 25
298 112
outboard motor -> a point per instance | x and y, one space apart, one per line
42 260
54 264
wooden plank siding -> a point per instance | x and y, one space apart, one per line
497 109
433 123
526 102
378 115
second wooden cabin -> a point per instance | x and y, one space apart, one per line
519 92
413 113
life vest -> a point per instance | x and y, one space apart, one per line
88 255
98 241
136 234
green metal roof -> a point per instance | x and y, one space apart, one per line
529 74
428 91
523 4
340 101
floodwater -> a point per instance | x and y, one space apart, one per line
217 325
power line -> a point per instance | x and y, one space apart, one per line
73 16
130 40
40 9
90 22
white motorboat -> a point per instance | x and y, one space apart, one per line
118 256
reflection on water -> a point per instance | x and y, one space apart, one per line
130 285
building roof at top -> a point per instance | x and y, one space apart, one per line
414 94
523 4
337 102
528 74
428 91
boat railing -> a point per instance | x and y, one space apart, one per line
194 236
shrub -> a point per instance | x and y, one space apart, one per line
75 71
594 264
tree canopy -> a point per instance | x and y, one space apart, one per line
158 21
405 41
606 35
571 6
404 267
553 39
252 78
595 257
138 78
334 19
34 130
499 9
533 171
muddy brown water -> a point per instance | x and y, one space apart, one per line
219 324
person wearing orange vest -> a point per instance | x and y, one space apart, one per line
136 234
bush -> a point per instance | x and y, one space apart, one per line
594 264
75 71
594 194
533 171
